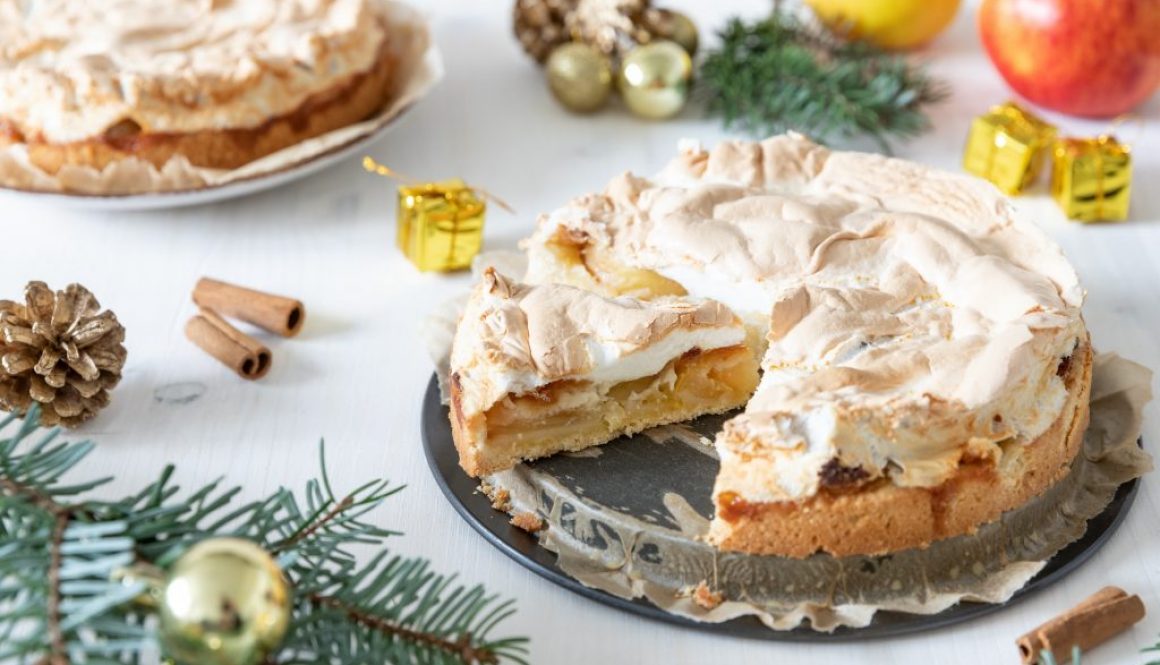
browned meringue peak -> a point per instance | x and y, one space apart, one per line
783 209
514 338
784 161
71 69
908 307
880 381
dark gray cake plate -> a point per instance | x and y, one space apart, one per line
462 491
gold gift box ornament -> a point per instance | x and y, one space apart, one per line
1008 146
1091 178
440 224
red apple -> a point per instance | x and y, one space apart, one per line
1093 58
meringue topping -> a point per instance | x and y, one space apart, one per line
514 338
70 71
913 319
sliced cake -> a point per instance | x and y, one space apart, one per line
537 370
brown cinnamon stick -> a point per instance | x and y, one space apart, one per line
234 348
1098 618
277 314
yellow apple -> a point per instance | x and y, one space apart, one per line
891 24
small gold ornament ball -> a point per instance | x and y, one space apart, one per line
579 76
677 27
224 602
654 79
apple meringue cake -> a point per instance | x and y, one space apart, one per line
218 82
924 363
537 370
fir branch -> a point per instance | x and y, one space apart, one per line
311 527
788 73
64 597
55 636
461 647
60 519
332 515
1154 647
18 477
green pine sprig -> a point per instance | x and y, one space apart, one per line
65 597
786 72
1153 648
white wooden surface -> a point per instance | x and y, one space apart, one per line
356 375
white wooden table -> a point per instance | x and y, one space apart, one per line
357 373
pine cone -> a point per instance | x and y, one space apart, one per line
613 27
540 25
58 350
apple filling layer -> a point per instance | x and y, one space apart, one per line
572 415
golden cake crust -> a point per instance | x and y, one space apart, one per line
884 517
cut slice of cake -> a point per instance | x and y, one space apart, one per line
536 370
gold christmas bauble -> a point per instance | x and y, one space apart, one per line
224 602
654 79
579 77
674 26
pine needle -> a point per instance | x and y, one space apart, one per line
786 73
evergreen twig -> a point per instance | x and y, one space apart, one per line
63 601
60 519
1154 647
786 72
461 647
55 635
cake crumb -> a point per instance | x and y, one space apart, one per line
501 500
705 597
527 521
